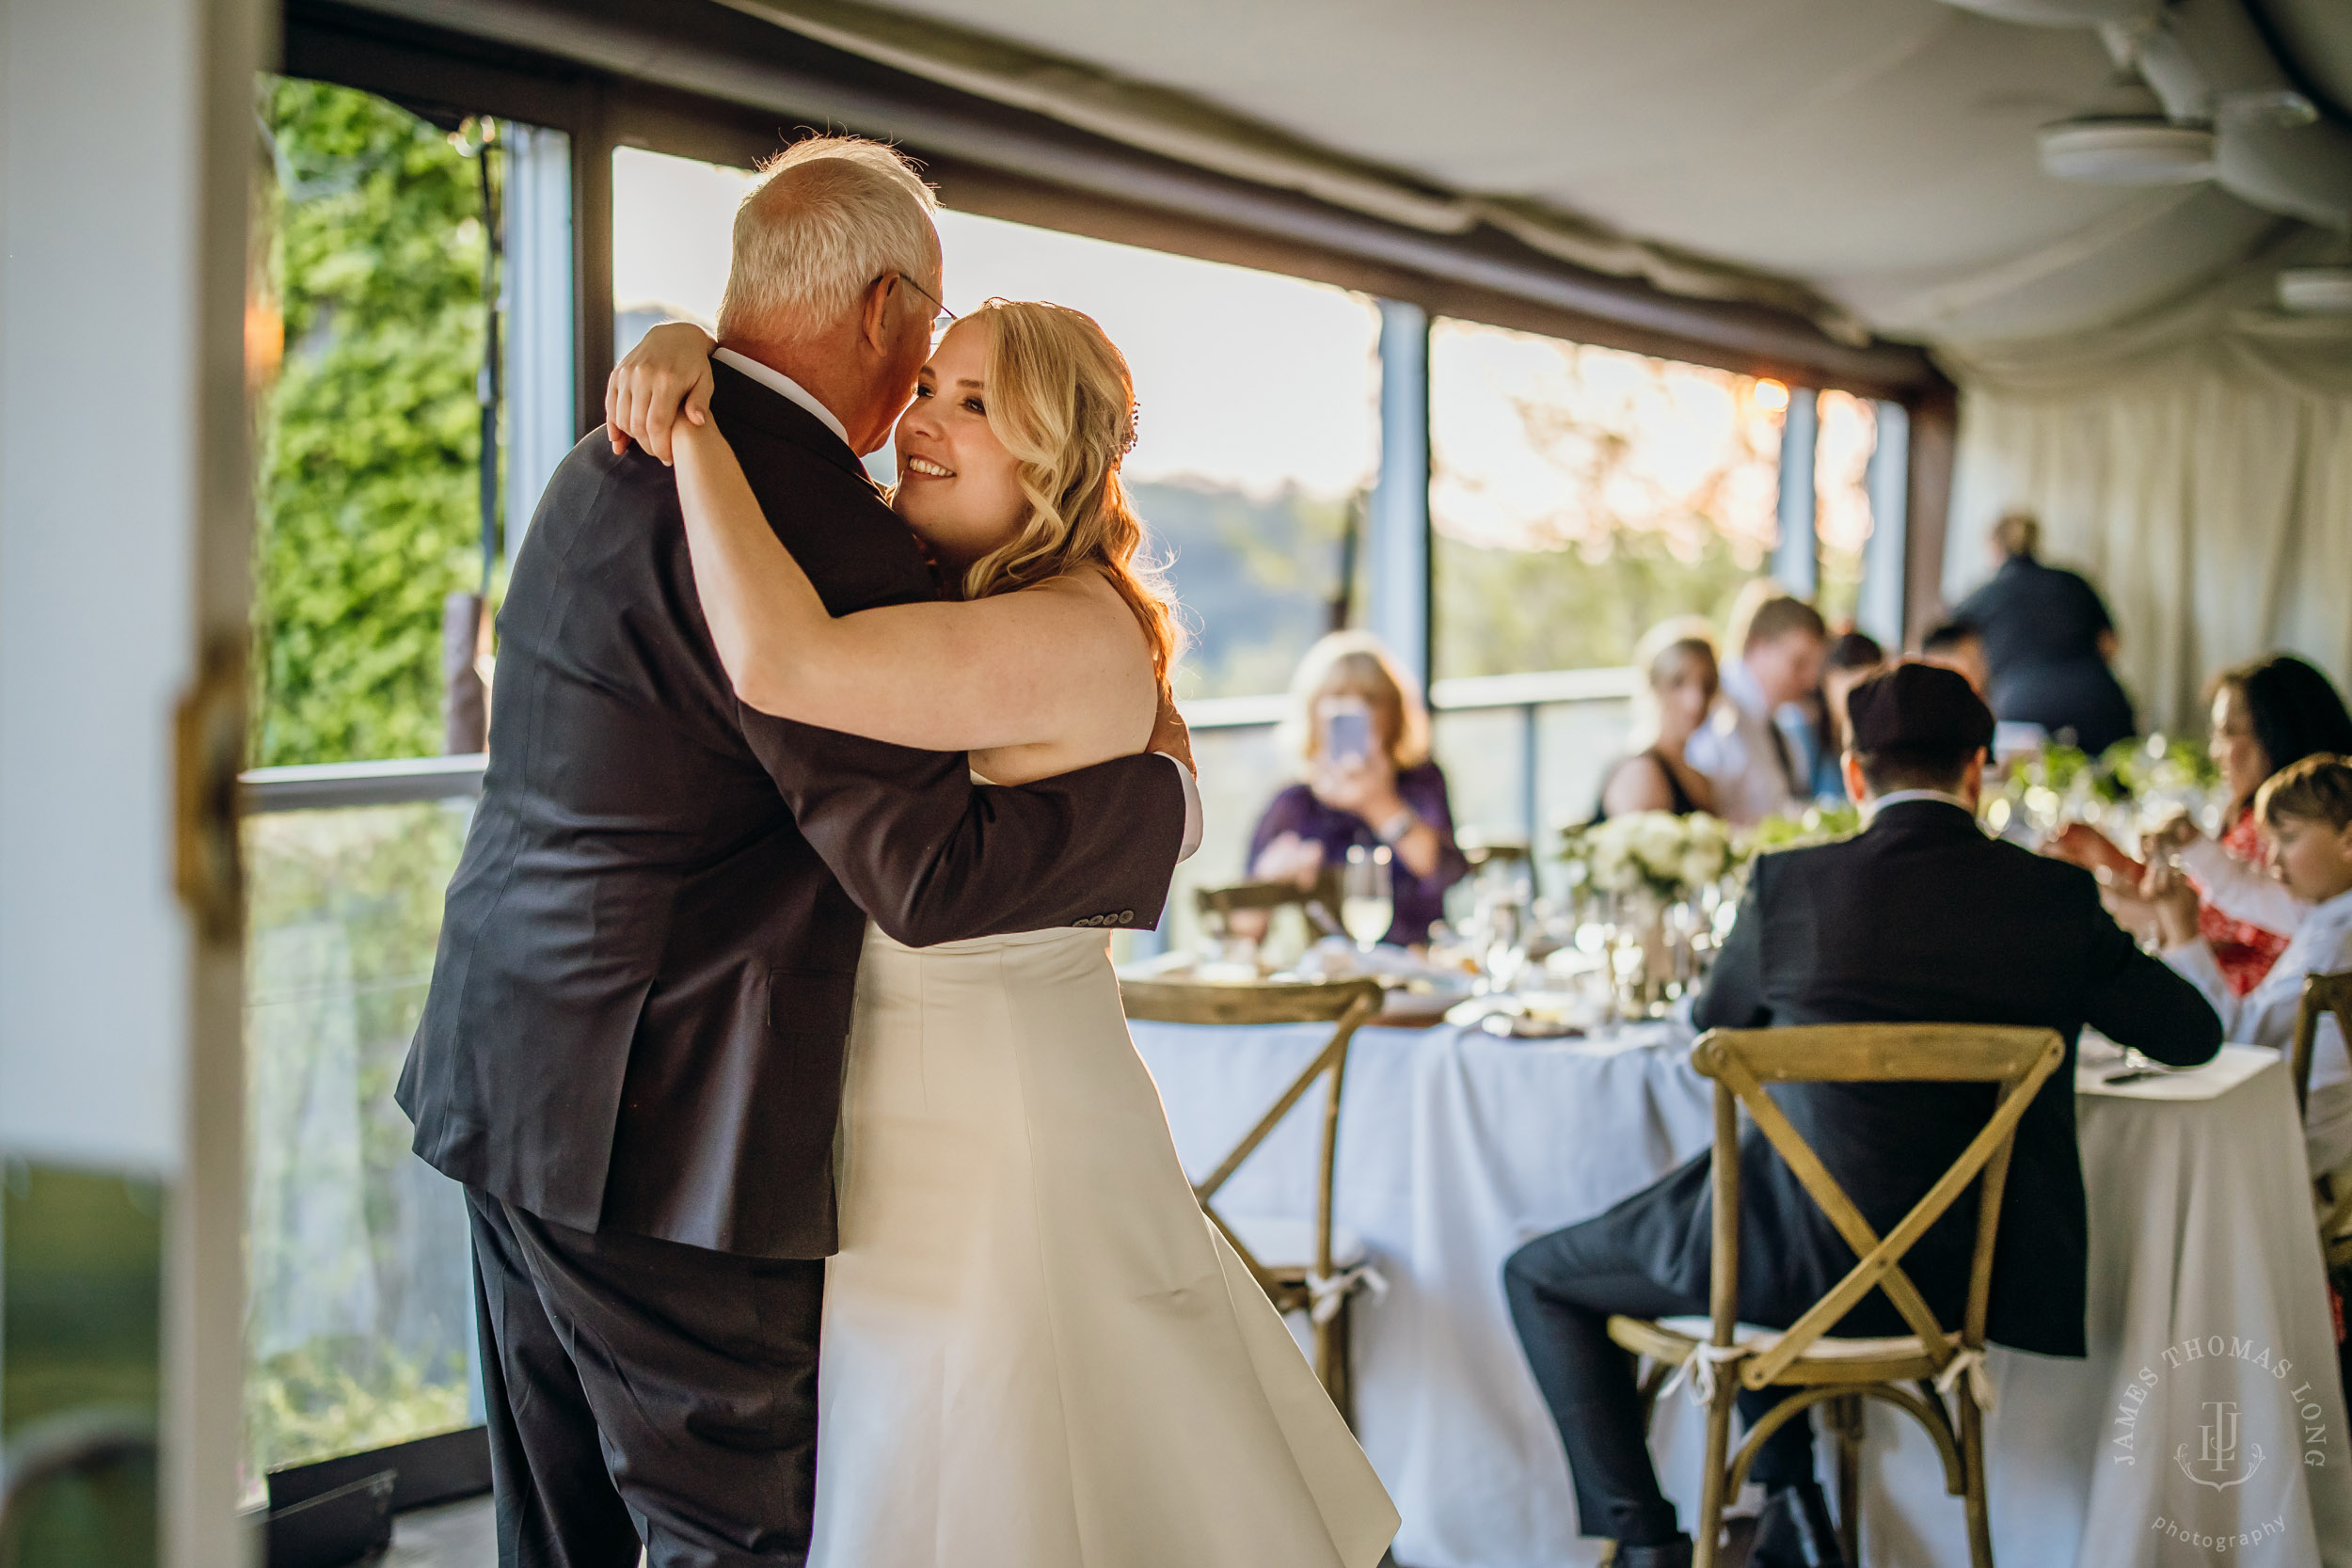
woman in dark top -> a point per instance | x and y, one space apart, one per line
1363 738
2048 637
1678 659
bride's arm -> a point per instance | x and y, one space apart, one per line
665 378
1015 669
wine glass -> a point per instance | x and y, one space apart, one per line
1367 896
1506 942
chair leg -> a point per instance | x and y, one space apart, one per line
1331 1360
1845 1419
1707 1537
1972 1471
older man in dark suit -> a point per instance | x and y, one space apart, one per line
632 1051
1921 918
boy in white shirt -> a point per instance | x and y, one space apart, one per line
2306 812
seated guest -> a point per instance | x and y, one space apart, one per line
2048 643
1362 743
1922 918
1756 768
2265 716
1679 658
1852 659
1956 645
2306 809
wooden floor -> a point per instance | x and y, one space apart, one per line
460 1535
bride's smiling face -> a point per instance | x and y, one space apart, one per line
957 486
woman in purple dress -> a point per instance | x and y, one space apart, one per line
1361 736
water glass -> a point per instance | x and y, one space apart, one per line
1367 895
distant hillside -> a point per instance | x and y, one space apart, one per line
1257 578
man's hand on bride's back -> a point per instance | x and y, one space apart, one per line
1170 734
667 373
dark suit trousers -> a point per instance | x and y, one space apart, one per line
640 1391
1561 1288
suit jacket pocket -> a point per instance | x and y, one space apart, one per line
810 1002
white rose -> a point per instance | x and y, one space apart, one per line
1658 840
1612 869
1701 866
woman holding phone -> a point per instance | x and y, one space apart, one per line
1361 738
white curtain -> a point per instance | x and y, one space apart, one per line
2194 462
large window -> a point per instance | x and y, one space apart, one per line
370 504
359 1318
1260 426
1580 495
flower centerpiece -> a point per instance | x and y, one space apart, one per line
1657 879
1655 852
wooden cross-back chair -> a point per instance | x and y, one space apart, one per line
2323 994
1843 1372
1319 904
1312 1266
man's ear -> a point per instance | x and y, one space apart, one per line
1857 788
874 313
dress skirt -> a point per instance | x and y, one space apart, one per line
1037 1352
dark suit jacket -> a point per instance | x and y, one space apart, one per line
2041 627
641 996
1924 919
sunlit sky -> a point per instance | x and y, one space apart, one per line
1245 377
1259 381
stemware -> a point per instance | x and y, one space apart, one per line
1506 937
1367 897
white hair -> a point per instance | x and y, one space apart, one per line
831 214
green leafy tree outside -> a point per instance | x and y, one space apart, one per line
369 500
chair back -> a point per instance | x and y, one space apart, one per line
1345 1005
1743 1061
1320 903
2322 994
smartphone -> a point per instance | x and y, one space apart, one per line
1346 729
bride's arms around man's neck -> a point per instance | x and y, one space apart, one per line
1062 667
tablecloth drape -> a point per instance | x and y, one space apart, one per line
1457 1146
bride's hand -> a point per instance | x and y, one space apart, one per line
1170 734
666 374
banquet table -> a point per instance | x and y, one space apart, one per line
2210 1339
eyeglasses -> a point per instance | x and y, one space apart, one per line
946 317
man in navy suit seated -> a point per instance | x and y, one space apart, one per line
1921 918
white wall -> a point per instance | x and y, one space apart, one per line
126 144
97 477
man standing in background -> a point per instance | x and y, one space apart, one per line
2048 639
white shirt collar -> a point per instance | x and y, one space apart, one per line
784 386
1896 798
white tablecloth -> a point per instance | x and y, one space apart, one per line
1457 1146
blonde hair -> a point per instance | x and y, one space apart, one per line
830 215
2318 788
1061 400
1679 638
1356 664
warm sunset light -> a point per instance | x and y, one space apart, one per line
1771 396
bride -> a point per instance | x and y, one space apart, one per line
1036 1351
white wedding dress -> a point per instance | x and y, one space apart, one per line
1036 1351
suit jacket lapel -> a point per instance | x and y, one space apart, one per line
735 397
